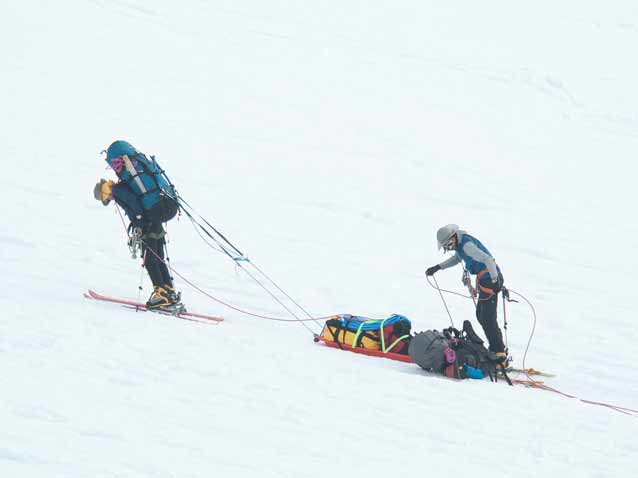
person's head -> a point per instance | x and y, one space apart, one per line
103 191
447 237
116 151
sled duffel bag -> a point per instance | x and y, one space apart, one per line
386 335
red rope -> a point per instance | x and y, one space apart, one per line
226 304
537 384
219 301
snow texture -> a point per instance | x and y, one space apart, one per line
328 140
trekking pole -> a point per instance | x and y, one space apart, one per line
505 324
506 298
444 303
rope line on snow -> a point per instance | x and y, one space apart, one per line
239 260
531 381
227 304
224 303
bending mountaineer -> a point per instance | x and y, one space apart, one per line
478 261
148 199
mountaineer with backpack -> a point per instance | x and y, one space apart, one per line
149 200
477 261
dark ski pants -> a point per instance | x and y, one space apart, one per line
154 254
486 312
154 262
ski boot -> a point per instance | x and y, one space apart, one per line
502 359
174 296
159 298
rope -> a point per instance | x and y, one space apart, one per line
449 291
531 334
280 289
541 385
240 266
443 299
242 258
531 381
117 208
233 307
182 202
224 303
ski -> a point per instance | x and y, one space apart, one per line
530 371
179 313
528 383
166 312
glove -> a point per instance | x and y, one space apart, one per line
136 233
432 270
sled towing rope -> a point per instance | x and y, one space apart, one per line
224 245
227 304
240 259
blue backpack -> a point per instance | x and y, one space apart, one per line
143 175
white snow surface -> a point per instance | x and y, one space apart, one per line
328 140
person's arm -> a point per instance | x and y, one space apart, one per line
478 255
127 200
451 262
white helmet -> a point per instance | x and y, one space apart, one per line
444 234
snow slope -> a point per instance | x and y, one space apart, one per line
329 142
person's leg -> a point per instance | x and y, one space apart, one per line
163 267
486 315
486 312
156 261
153 261
174 296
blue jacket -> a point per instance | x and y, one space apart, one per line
474 255
130 202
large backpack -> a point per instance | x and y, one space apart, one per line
427 350
470 354
145 178
453 353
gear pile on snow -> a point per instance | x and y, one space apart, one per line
455 354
